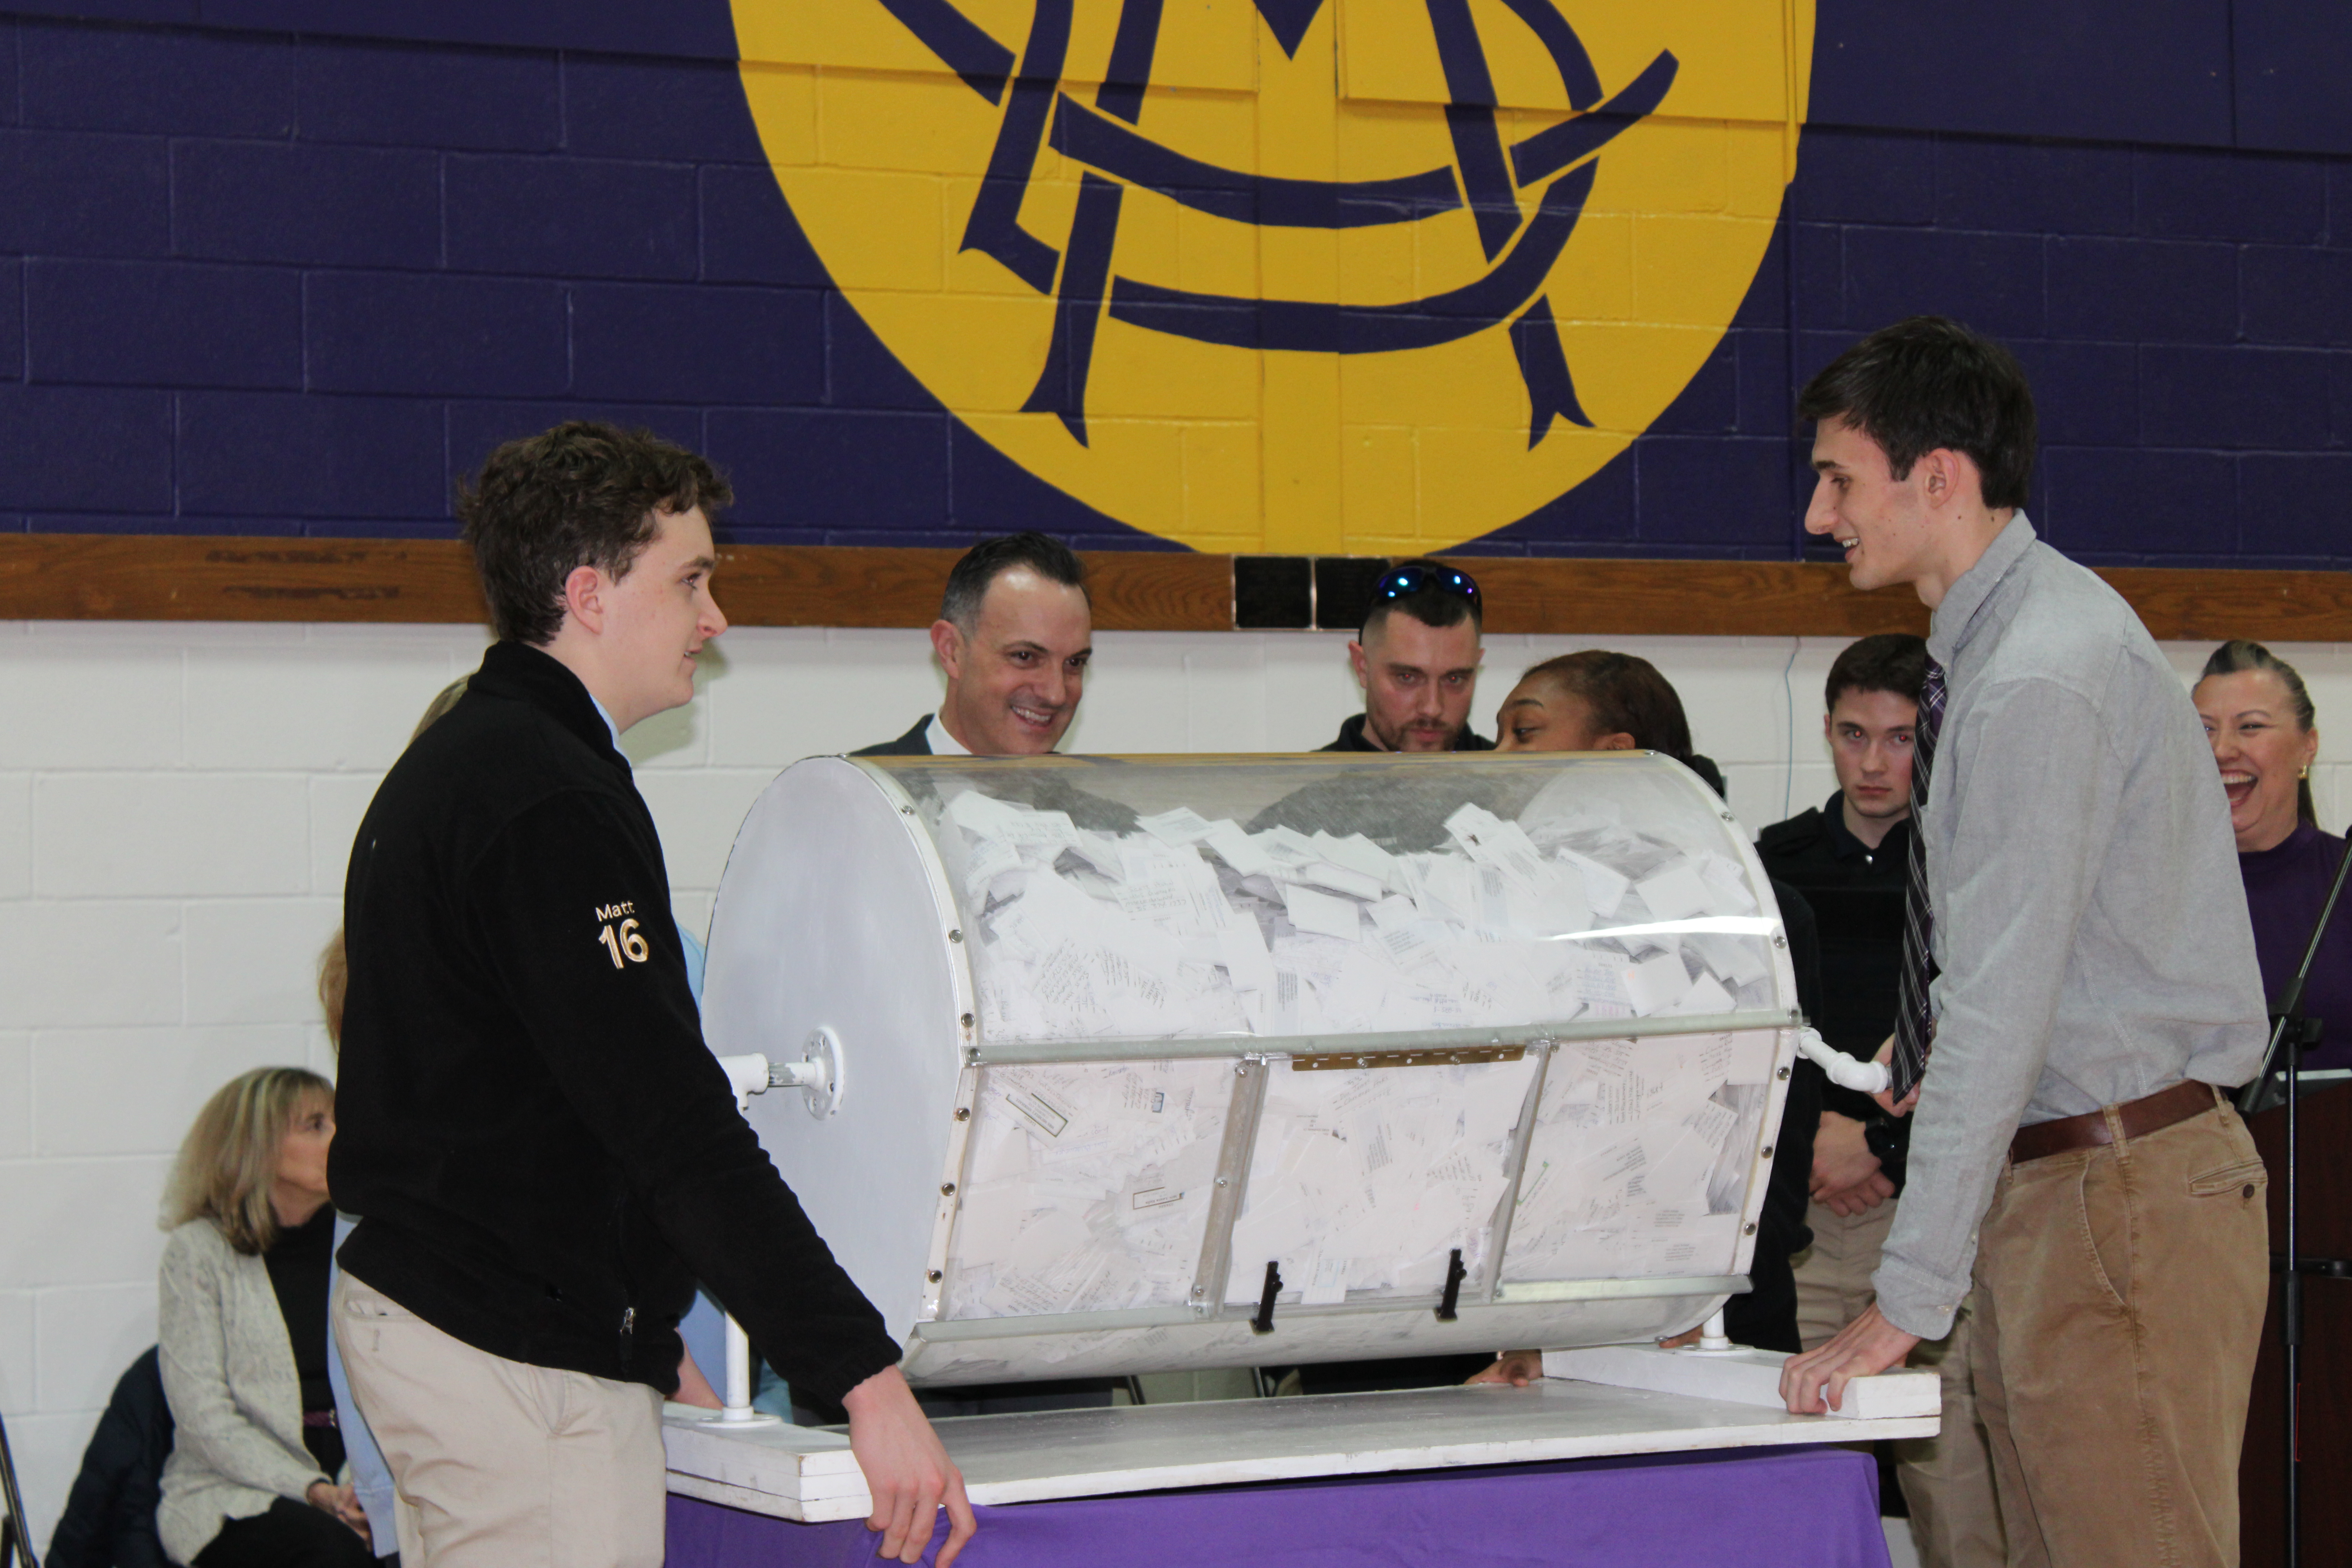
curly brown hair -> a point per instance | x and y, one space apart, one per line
582 494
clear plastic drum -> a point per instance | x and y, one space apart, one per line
1156 1062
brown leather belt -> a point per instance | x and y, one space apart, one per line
2150 1113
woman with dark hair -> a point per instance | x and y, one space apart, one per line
2260 720
1597 701
254 1476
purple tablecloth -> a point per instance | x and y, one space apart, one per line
1778 1507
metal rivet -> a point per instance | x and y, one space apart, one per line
1200 1290
955 936
967 1020
1220 1182
1767 1150
2247 1191
933 1277
964 1113
947 1189
1782 1073
1779 940
908 811
1747 1230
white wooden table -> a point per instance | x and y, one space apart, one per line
1650 1402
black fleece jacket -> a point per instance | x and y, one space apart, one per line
545 1153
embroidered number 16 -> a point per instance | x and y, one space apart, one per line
627 940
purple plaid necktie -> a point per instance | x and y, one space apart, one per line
1913 1026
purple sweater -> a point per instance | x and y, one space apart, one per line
2285 888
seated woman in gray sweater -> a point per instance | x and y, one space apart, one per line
254 1477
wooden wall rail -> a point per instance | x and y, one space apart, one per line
152 578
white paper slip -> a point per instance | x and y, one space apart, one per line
1604 887
1739 960
1677 894
1340 879
1731 878
1247 963
1234 847
1182 826
1322 914
1286 846
1656 984
1330 1286
988 858
1706 995
1752 1057
1358 853
975 812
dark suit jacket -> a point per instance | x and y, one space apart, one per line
1035 788
915 742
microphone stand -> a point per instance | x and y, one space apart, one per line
2290 1034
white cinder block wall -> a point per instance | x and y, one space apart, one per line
177 802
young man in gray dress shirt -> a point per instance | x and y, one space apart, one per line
2093 978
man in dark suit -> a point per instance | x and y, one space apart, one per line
1015 634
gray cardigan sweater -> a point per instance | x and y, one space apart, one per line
237 1403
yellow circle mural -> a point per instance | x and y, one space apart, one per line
1299 276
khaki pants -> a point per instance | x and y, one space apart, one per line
496 1463
2121 1293
1946 1479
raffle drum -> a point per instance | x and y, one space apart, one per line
1138 1064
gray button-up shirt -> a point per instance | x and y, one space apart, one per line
2091 927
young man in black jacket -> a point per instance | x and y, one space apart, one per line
1848 856
545 1153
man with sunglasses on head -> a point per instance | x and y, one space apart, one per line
1417 661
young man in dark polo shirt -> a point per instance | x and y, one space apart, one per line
1848 857
545 1153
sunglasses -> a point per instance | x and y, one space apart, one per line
1404 582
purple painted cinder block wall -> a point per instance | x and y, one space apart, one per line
257 281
